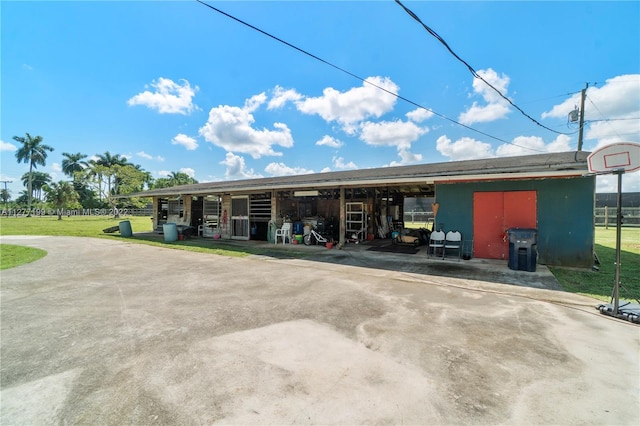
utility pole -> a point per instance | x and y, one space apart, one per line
580 131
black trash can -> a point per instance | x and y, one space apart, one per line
523 252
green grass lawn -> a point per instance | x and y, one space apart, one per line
12 255
595 284
77 226
600 284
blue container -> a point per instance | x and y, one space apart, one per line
298 228
170 231
125 228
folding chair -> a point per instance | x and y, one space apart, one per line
453 241
436 241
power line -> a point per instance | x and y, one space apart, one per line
607 121
364 80
470 68
614 119
564 95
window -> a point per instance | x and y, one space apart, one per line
418 210
176 207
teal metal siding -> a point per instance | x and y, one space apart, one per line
565 209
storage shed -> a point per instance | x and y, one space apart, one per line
481 198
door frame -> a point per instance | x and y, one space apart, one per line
240 219
511 209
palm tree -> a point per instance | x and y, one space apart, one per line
107 161
73 163
38 181
34 152
174 179
60 194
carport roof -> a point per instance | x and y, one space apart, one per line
523 167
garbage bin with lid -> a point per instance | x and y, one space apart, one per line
125 228
523 252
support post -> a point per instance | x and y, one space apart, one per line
616 285
343 217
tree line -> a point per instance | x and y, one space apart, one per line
92 183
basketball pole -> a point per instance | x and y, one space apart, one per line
616 285
616 159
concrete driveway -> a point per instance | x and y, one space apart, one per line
112 332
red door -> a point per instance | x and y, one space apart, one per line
494 213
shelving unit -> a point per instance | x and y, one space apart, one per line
356 219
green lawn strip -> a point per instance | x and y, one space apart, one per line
12 255
76 226
92 226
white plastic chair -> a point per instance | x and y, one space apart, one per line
284 233
436 241
453 241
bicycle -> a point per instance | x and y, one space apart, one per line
314 237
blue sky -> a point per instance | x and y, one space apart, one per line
176 86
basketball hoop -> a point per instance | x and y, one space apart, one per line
613 158
618 158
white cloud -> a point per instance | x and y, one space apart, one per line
27 67
230 128
6 146
282 96
56 167
164 173
536 144
408 157
330 142
144 155
168 97
186 141
463 149
609 183
400 134
339 163
499 82
356 104
483 114
281 169
618 96
469 149
391 133
496 107
419 115
254 102
236 167
188 171
611 111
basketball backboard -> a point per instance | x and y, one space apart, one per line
618 156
